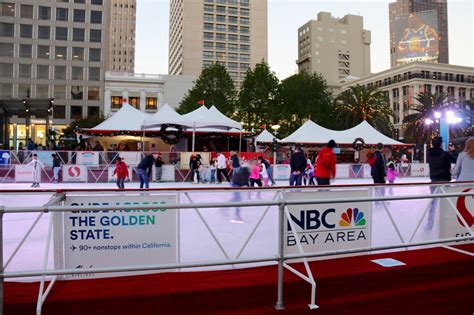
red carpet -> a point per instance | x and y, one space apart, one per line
434 281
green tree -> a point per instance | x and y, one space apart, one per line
86 123
305 96
215 87
360 103
259 98
416 131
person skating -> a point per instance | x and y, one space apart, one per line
144 170
121 170
464 169
268 168
56 167
298 166
326 164
159 167
240 179
37 168
221 167
235 162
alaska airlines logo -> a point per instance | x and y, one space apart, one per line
352 217
74 171
464 210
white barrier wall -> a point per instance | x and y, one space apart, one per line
23 173
118 237
450 223
74 173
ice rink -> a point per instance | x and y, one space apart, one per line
196 243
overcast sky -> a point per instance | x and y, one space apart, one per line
284 18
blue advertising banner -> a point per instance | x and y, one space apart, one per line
4 157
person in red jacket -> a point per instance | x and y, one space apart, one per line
121 170
326 164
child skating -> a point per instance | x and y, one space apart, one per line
37 168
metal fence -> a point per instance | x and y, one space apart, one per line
280 201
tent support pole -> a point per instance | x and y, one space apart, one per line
240 141
194 136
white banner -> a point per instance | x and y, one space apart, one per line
87 158
131 158
120 237
367 170
74 173
342 170
419 170
450 224
23 173
281 171
328 227
167 173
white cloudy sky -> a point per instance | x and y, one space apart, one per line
284 18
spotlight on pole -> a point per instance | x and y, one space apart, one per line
437 115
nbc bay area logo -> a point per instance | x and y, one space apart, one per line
314 226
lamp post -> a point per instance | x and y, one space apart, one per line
444 119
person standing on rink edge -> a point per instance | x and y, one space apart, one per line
298 167
326 164
37 168
221 167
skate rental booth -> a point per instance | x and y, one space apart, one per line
94 245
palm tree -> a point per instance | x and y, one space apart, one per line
360 103
416 131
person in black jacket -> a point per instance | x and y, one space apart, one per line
240 179
56 167
298 167
378 164
439 162
144 170
159 167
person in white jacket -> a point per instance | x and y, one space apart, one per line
221 168
464 169
37 169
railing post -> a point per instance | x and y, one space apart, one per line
2 209
281 230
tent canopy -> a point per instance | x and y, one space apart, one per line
166 115
312 133
126 118
211 120
265 136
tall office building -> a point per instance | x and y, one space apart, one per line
53 49
421 25
122 35
336 48
232 32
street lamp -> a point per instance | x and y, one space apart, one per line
444 119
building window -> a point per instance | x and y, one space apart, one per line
151 103
42 91
96 17
43 32
59 111
94 54
43 52
76 112
26 11
61 14
93 93
60 53
61 33
95 36
79 16
77 53
44 13
96 2
77 92
6 70
7 29
79 1
42 72
93 111
134 101
78 34
25 71
6 90
7 9
60 72
6 50
25 51
24 91
77 73
59 93
94 74
116 102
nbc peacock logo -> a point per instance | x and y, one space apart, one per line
352 217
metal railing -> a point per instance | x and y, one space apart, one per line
281 258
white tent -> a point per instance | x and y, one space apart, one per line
166 115
310 132
265 137
126 118
365 131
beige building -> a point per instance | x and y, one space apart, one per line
336 48
122 35
53 50
146 92
403 83
232 32
401 7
